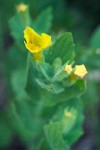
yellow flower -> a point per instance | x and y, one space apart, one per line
68 114
80 71
35 43
21 7
68 68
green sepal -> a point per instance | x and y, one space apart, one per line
75 90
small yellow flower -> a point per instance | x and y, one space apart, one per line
80 71
21 7
34 42
68 114
68 68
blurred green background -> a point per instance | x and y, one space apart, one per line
82 18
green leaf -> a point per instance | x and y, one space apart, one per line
54 88
43 22
57 64
18 23
66 126
18 81
75 90
6 132
77 130
95 40
45 70
21 120
53 132
69 119
32 87
16 27
63 48
16 58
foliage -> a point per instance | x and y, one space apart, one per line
45 108
42 93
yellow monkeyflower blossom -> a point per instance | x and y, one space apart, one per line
21 7
68 68
80 71
34 42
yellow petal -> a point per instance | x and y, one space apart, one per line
35 42
80 71
46 39
68 68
